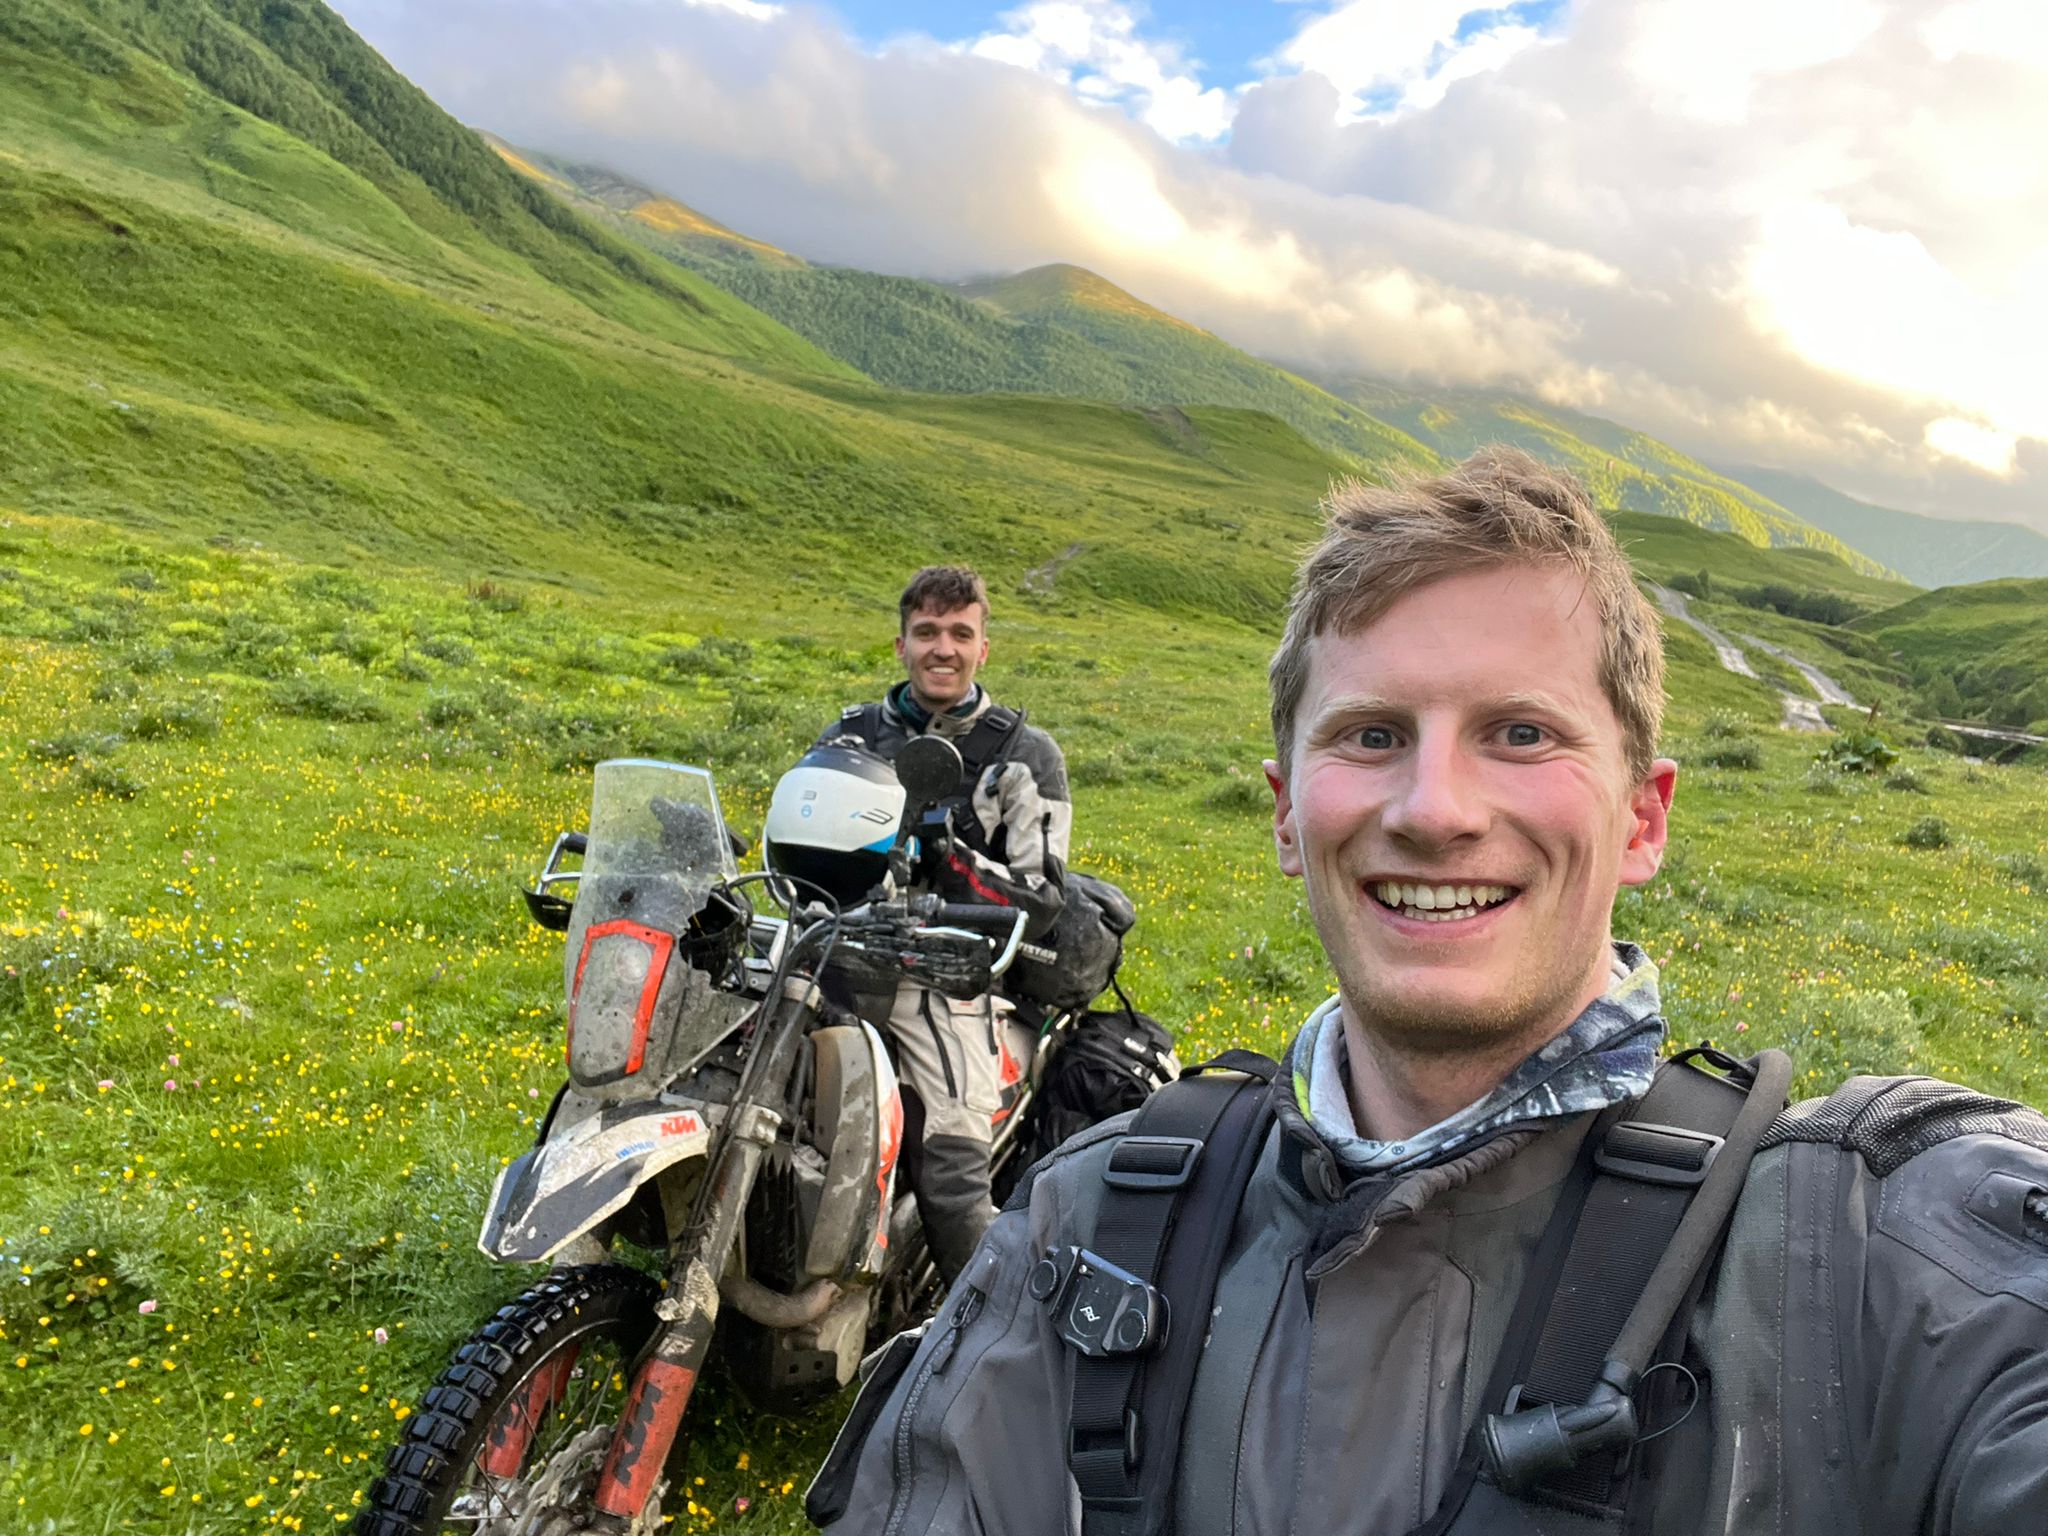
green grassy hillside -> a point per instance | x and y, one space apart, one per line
1989 641
1058 330
1667 547
662 222
1621 467
1933 551
208 325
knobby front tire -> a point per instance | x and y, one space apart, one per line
592 1317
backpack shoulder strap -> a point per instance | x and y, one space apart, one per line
1637 1204
862 721
989 742
1175 1180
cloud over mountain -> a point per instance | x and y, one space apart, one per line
1815 236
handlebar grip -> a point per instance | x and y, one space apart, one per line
974 914
575 842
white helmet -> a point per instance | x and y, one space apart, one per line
833 820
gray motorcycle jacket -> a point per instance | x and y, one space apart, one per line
1873 1344
1012 824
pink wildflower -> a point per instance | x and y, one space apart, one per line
147 1307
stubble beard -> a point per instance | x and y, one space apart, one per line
1536 1004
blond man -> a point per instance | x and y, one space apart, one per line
1467 1144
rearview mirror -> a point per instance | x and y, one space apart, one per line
929 769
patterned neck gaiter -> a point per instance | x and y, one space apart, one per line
1607 1056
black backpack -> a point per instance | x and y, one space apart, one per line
1616 1273
1077 962
1104 1064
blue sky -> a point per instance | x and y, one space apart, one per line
1226 39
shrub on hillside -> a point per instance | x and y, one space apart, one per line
351 644
498 599
445 648
446 709
713 656
1906 779
251 645
157 718
1721 727
69 746
1927 832
320 698
1857 752
1247 796
1733 754
2023 869
103 776
1942 739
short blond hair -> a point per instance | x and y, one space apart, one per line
1501 507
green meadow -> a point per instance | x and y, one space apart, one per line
356 498
272 1016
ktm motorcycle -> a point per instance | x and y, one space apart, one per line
720 1165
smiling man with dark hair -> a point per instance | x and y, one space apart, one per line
1478 1265
1011 823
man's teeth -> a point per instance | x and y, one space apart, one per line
1440 903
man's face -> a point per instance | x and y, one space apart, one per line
1461 813
940 652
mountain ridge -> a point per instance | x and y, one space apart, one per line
1074 332
1931 551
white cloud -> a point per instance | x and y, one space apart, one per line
753 10
1819 240
1095 46
1972 443
1388 56
2011 30
1706 60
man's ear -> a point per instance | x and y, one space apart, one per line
899 649
1286 841
1651 805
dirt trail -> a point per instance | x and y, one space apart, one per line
1674 603
1825 688
1800 714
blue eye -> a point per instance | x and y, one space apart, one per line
1522 735
1376 738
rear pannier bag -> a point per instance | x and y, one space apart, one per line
1075 963
1105 1063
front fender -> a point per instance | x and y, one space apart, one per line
583 1173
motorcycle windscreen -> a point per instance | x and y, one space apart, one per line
658 846
612 1002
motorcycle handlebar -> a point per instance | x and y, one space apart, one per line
974 914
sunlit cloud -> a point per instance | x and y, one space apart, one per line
1389 56
1095 47
1981 447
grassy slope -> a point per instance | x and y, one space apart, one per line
671 226
352 410
1621 467
265 821
1991 638
1933 551
265 807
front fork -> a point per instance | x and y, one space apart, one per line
663 1383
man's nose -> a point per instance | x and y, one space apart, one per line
1439 799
